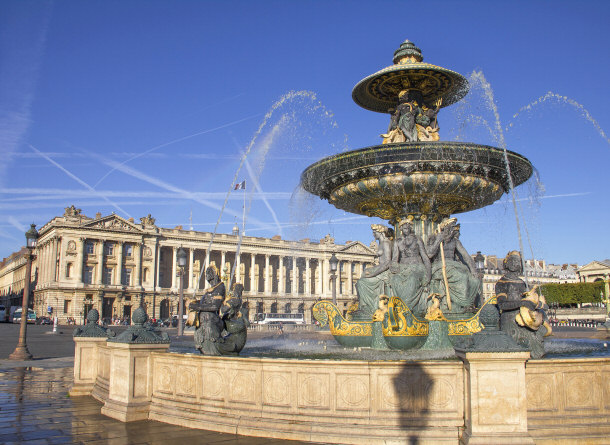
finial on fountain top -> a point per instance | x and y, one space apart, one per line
407 53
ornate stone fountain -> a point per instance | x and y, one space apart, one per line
416 182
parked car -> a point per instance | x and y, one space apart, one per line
2 314
44 320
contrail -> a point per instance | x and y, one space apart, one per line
80 181
172 142
162 184
13 221
67 193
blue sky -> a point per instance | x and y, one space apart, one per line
138 107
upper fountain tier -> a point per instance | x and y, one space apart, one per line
413 174
380 91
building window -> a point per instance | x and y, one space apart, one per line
69 270
109 249
88 275
67 304
128 250
126 281
107 277
145 275
89 247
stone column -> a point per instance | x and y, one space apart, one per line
282 273
320 268
55 258
119 263
174 266
137 248
307 277
157 263
295 277
223 260
253 287
326 289
266 276
191 263
80 258
350 282
100 263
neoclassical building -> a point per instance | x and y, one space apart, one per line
114 265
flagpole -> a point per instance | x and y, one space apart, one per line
243 225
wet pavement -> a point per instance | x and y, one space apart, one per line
35 409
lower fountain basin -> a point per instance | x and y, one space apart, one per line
420 178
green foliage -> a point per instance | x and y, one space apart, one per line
572 293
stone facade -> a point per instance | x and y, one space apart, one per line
114 265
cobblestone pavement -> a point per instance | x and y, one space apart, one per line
35 409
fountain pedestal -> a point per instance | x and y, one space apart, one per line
496 407
131 374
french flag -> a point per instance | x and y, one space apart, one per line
240 186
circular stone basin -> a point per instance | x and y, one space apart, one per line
433 178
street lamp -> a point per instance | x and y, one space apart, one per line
334 262
479 262
21 351
181 257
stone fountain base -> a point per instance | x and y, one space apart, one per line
481 398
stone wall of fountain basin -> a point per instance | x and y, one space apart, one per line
480 398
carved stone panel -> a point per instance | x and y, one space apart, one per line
313 390
186 381
277 390
579 392
541 393
164 378
353 392
213 385
243 387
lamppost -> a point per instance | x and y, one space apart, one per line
21 351
334 262
181 257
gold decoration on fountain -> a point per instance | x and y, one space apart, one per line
470 325
327 313
402 322
533 319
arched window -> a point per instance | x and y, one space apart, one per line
274 308
69 270
287 308
301 308
145 275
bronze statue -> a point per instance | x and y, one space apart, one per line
221 327
235 323
208 322
454 274
413 120
523 315
411 269
375 280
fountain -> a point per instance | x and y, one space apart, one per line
421 297
414 180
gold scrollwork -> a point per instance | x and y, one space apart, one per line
471 325
402 322
327 313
